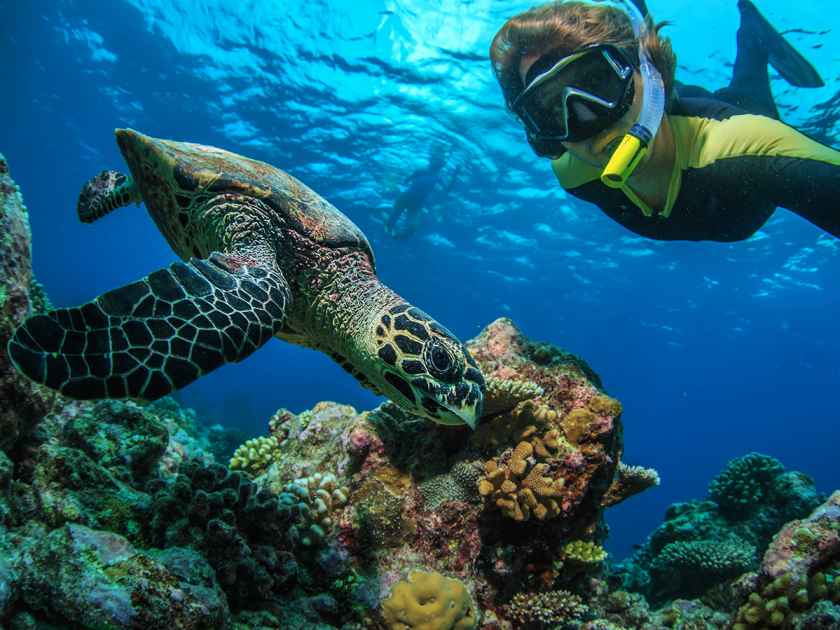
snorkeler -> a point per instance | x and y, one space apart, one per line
405 216
593 84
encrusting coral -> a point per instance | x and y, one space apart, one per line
427 600
459 484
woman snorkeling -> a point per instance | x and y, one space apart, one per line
593 84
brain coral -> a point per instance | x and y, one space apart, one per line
429 601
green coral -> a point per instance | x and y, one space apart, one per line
692 567
584 551
744 484
255 455
778 603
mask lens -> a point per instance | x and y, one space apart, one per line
576 100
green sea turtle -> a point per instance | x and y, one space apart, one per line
263 256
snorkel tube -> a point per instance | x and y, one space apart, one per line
635 144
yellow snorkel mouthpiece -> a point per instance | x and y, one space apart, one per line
626 157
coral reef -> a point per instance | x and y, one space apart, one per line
255 455
504 394
584 552
103 581
800 570
709 545
24 404
119 515
693 567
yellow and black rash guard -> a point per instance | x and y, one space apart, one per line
732 170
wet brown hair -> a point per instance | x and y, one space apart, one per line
566 27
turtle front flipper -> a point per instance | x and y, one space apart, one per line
155 335
105 193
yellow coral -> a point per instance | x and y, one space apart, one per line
584 551
519 486
429 601
541 412
604 406
576 424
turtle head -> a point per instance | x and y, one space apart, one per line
426 369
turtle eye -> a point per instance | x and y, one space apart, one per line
439 361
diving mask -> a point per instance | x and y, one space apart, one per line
574 97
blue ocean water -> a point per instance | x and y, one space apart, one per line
714 349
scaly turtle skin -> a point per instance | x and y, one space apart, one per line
264 256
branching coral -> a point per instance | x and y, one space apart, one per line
694 566
743 484
314 500
546 609
503 395
521 487
429 601
628 481
255 455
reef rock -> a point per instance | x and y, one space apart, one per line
24 404
97 579
495 509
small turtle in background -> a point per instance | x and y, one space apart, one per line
264 256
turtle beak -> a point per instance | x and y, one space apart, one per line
467 412
471 414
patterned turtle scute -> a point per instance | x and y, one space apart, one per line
213 170
128 342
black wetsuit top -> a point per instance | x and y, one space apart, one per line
732 170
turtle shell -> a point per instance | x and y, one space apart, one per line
199 168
